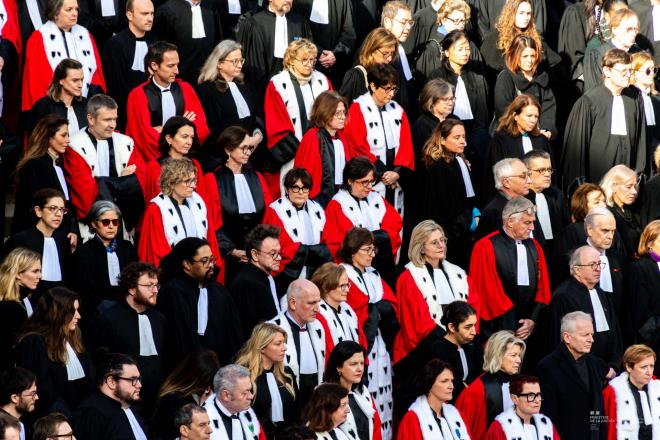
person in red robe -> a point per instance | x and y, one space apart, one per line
59 38
524 420
377 127
288 118
358 205
152 103
628 394
11 48
324 149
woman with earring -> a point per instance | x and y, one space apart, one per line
274 388
301 223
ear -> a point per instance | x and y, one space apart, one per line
184 430
372 87
15 398
90 118
38 211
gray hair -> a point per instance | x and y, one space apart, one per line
616 175
576 257
184 415
503 169
590 218
515 208
227 376
97 102
433 90
209 71
496 347
535 154
569 321
100 207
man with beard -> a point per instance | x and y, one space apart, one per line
200 312
135 327
107 414
18 394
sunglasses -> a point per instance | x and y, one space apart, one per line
651 71
106 222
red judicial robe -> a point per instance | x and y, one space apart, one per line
340 325
624 419
10 36
421 423
514 428
141 117
40 64
152 178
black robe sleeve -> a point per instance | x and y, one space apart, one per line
354 85
572 39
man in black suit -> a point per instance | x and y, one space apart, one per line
254 289
572 382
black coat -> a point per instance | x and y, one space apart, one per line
650 196
262 404
102 418
566 398
251 292
643 282
491 216
46 106
628 228
161 426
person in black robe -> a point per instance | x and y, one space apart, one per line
333 35
109 412
121 328
426 23
366 17
106 18
28 22
189 274
644 10
9 155
489 12
175 22
494 57
254 289
601 133
123 54
263 57
643 78
650 195
581 292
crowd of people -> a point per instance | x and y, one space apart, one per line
329 219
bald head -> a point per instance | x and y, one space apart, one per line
303 299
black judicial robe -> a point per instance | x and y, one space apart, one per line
592 59
628 229
46 106
652 134
589 148
177 300
118 330
425 27
161 426
491 215
417 5
572 42
354 84
446 350
558 216
572 296
504 145
644 11
643 282
101 417
103 28
173 23
117 59
254 301
494 57
262 403
366 16
489 12
229 22
12 317
36 174
257 35
650 201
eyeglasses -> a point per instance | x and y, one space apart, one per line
133 380
456 21
405 23
624 72
448 100
155 287
340 114
273 254
68 436
31 394
531 396
299 189
437 243
523 176
366 183
544 170
190 182
345 287
595 265
247 149
56 209
107 221
389 90
206 261
307 61
369 250
236 62
650 71
386 55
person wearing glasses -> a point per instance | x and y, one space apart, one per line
288 105
226 97
176 213
18 394
508 274
301 222
581 292
358 205
525 419
54 426
134 327
200 311
643 78
99 261
107 413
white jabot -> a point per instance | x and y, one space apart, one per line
102 158
442 286
141 50
188 221
167 103
307 356
527 144
469 189
530 432
202 311
599 313
522 269
113 268
404 62
320 13
60 178
618 125
22 434
281 36
656 22
138 433
461 354
147 344
234 7
462 107
242 108
543 214
28 306
659 265
507 403
341 435
649 113
606 275
197 21
243 195
236 429
340 161
276 408
33 12
273 293
74 369
73 121
108 8
50 261
646 409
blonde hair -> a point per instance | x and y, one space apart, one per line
250 356
650 234
637 353
301 46
506 26
638 60
450 6
16 262
377 39
496 347
656 157
174 171
419 235
615 176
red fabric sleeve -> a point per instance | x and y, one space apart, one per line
378 428
308 157
392 223
555 434
609 403
214 215
405 156
192 104
409 428
356 132
268 196
543 292
37 72
152 175
495 432
83 188
11 30
336 226
278 121
138 125
153 245
413 315
289 247
97 78
140 168
472 406
262 436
